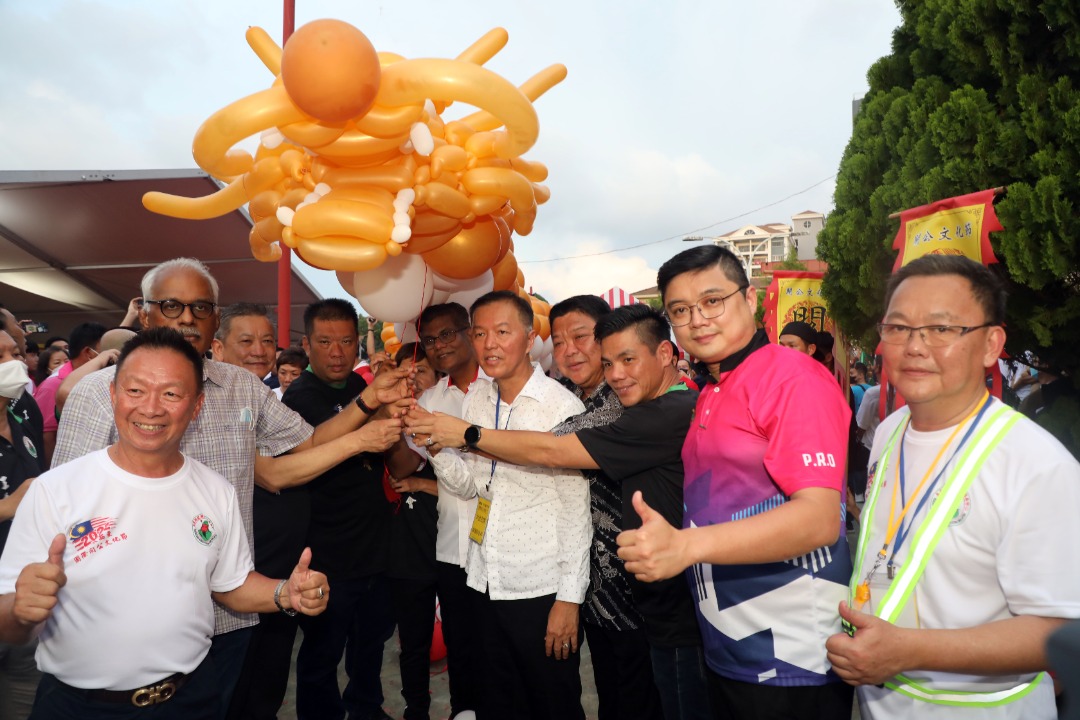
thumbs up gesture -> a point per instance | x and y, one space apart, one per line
656 550
308 589
875 653
38 584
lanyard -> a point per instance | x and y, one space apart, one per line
498 405
902 531
895 522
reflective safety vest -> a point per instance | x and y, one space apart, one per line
981 444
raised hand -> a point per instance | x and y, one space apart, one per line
378 435
308 589
654 551
39 584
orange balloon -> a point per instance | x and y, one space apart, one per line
341 253
331 70
468 254
504 273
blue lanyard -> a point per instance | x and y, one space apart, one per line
498 404
902 532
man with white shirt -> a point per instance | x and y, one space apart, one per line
529 550
961 576
113 558
446 336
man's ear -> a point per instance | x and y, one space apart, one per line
217 348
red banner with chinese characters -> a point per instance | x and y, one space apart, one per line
795 295
954 226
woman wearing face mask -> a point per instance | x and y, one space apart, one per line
20 462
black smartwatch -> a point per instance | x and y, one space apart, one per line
472 436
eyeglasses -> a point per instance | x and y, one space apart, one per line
709 307
173 309
445 337
931 335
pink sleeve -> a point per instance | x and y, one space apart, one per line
806 421
45 396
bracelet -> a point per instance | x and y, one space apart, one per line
277 599
364 406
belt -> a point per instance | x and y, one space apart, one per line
152 694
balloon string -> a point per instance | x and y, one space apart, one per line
416 345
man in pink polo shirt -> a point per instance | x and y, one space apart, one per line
763 541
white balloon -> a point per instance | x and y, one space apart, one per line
396 291
545 362
346 281
440 296
469 291
537 348
465 715
549 348
406 332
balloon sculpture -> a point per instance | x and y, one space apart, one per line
358 172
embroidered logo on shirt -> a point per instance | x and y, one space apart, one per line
89 537
961 512
202 528
29 447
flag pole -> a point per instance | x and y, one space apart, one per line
285 261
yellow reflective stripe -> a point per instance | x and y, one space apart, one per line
958 698
932 529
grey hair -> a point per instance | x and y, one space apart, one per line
182 263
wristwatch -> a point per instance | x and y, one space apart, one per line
472 436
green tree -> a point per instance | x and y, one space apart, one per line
976 94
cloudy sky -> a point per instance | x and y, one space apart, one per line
677 117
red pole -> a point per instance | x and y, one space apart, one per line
284 275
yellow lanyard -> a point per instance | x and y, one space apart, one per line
862 590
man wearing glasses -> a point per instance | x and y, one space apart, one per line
967 558
763 537
243 431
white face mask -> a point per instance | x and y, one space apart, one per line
13 379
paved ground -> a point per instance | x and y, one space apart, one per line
440 690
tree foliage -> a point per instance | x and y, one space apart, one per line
976 94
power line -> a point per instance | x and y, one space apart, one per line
683 234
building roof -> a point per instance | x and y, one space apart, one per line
74 245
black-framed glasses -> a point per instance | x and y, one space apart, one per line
173 309
709 307
445 337
931 335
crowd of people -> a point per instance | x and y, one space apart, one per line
179 496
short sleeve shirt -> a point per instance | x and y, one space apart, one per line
775 424
20 460
642 451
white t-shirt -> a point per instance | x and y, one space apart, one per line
868 417
1010 550
141 559
455 515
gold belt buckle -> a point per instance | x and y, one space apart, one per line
153 694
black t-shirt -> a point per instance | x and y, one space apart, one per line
643 451
349 513
20 459
413 530
281 529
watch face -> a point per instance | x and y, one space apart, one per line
472 435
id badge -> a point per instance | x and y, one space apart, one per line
909 614
480 520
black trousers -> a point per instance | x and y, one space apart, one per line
414 611
622 668
198 699
459 606
735 700
265 675
522 682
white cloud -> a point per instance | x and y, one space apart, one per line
561 279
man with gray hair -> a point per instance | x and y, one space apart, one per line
246 338
243 432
